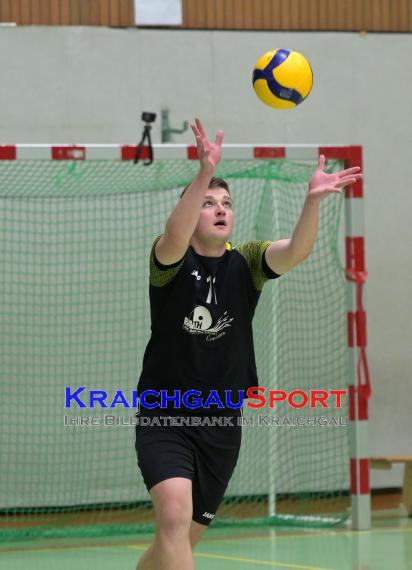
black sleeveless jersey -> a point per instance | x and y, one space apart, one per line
201 321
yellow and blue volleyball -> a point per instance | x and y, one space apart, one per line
282 78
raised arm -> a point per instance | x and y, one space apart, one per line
283 255
182 222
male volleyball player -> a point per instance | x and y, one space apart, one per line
203 295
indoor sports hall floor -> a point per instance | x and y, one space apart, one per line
388 546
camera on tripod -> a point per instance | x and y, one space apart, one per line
148 117
141 150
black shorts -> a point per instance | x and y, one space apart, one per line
206 454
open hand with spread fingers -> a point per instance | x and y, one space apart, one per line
322 184
209 153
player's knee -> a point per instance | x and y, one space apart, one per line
175 519
173 505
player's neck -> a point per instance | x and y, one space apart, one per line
208 249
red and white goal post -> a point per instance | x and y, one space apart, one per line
359 386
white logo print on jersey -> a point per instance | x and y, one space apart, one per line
211 282
200 322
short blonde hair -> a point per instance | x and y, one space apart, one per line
215 182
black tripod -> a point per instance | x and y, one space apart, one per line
140 147
147 118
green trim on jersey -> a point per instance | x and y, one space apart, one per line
161 276
253 252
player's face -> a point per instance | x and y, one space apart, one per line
216 216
